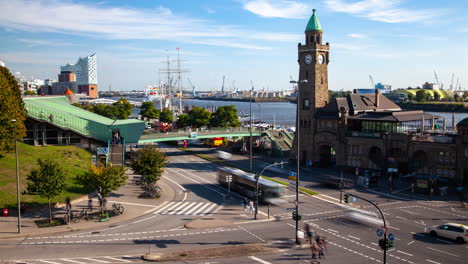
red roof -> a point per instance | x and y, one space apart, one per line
68 92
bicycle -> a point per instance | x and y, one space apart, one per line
117 209
71 217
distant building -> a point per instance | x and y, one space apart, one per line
431 86
85 71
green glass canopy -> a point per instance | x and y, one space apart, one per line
314 23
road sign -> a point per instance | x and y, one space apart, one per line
391 237
292 178
296 203
292 173
354 199
228 178
102 151
379 232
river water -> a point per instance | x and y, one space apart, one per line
279 113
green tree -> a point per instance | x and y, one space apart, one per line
11 108
149 111
102 109
183 120
122 109
422 96
437 96
410 96
225 116
149 163
29 92
166 116
47 181
78 105
199 116
105 179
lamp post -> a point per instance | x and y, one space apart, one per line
17 181
250 128
297 154
256 183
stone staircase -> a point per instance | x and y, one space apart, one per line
116 154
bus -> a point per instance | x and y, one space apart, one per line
244 183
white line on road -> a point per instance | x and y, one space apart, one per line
442 251
252 234
410 243
334 231
401 218
259 260
433 261
408 212
117 259
74 261
180 186
147 205
97 260
354 237
51 262
375 244
404 253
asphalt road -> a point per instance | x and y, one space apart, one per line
196 194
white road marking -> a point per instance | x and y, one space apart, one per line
186 208
51 262
410 243
208 210
442 251
180 186
117 259
252 234
151 210
433 261
408 212
354 237
74 261
137 204
401 218
375 244
259 260
404 253
194 208
334 231
199 211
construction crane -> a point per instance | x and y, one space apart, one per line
456 86
372 81
193 87
451 83
441 85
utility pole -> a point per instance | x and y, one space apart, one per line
251 157
17 181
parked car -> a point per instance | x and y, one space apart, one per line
453 231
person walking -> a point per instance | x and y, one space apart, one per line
321 248
244 202
90 205
309 232
251 206
315 250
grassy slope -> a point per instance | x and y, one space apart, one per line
74 161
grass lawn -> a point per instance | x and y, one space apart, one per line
74 161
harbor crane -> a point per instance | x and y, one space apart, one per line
372 81
441 85
222 87
193 87
451 83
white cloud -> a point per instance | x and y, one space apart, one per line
278 8
41 42
123 23
380 10
357 35
210 10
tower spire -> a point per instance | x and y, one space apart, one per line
314 23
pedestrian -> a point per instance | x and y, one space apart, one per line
315 250
321 248
68 203
90 205
23 209
251 206
244 202
309 232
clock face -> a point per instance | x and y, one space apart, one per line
320 59
308 59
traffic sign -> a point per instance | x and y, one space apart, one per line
292 173
228 178
391 237
379 232
292 178
354 199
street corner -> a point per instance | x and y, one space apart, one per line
214 252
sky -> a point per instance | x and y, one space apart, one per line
250 42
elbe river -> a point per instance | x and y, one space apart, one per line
279 113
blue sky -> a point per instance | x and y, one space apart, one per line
399 42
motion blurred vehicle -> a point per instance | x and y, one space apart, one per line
223 155
244 184
452 231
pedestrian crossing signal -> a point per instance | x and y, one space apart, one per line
385 244
296 216
346 198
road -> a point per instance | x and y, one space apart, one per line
197 194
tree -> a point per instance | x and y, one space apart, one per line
225 116
166 116
422 96
101 109
457 98
410 96
149 111
122 109
183 120
105 179
47 181
199 116
11 107
149 163
78 105
437 96
29 92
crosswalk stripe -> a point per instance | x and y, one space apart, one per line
164 207
51 262
180 206
117 259
97 260
186 208
193 208
201 208
74 261
208 210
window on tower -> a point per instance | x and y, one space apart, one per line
307 74
306 104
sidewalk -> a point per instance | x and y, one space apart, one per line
126 196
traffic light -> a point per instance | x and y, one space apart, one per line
390 244
385 243
296 216
346 198
382 244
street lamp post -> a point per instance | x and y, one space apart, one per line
17 181
257 177
298 155
250 128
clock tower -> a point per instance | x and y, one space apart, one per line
313 59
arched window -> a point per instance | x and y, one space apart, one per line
307 74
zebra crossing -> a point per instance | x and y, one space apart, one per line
84 260
188 208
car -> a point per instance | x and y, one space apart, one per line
453 231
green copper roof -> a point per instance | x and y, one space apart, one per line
314 23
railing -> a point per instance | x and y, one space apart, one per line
364 134
194 132
434 139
